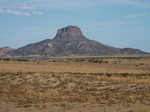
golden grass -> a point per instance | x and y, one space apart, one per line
120 82
113 66
135 80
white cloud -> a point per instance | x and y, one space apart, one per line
16 12
74 3
23 6
84 3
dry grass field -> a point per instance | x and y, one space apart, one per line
75 85
92 65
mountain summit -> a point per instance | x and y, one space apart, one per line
70 41
69 33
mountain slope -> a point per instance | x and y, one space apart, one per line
70 41
5 50
132 51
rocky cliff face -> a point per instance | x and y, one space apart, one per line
70 33
70 41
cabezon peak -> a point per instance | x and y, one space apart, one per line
69 33
70 41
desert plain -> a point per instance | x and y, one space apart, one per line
75 84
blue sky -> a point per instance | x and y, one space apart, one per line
119 23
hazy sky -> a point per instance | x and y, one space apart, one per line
120 23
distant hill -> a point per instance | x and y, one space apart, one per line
70 41
4 51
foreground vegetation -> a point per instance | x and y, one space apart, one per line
109 85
